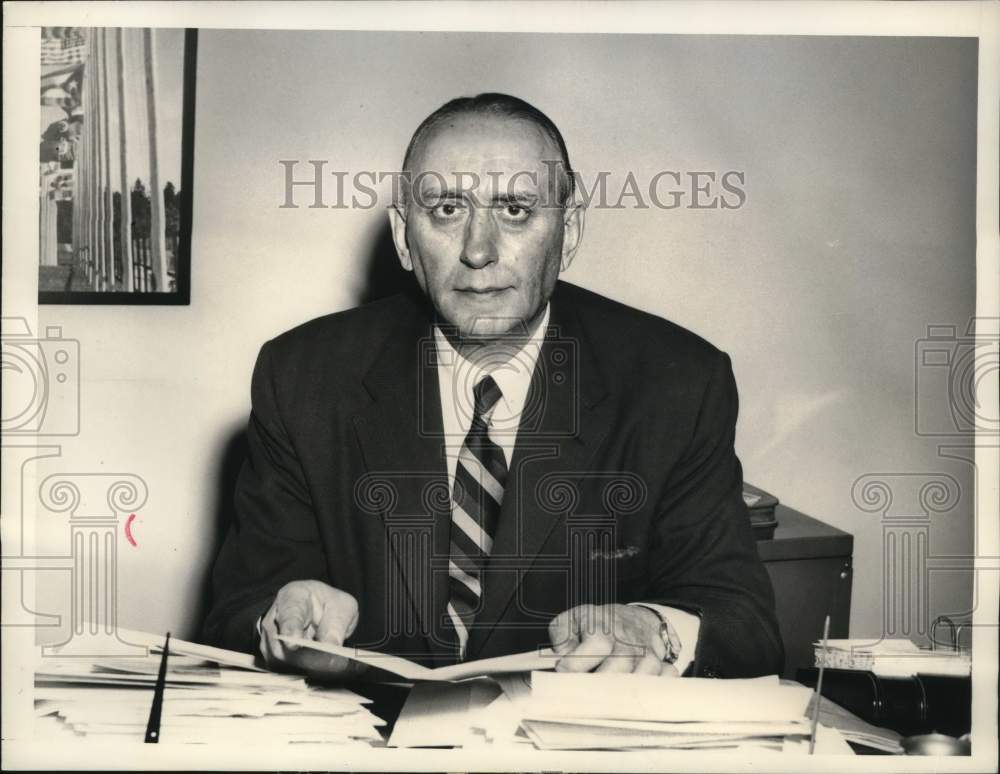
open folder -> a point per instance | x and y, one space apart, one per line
533 660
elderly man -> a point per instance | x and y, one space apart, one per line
504 463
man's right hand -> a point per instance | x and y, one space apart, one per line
311 610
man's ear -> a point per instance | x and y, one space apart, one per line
572 232
397 221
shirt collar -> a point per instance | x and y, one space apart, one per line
513 377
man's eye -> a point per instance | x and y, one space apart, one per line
516 212
447 211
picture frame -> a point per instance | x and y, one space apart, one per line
142 80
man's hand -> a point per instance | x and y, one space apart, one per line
609 638
311 610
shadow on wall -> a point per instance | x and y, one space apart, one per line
382 277
234 454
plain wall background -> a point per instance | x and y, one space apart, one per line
858 232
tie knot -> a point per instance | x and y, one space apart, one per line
486 395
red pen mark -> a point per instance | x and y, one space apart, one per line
128 530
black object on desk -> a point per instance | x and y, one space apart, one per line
810 567
921 704
762 505
156 709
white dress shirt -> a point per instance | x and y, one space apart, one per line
512 371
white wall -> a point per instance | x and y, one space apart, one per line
857 233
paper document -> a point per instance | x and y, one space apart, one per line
549 711
498 723
440 714
631 712
639 697
219 655
210 696
518 662
568 735
829 741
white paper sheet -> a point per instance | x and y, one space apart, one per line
230 658
568 735
829 741
409 670
641 697
692 728
438 714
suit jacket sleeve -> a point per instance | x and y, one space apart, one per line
274 538
706 557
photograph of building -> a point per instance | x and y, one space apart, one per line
112 108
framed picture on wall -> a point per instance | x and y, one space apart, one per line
116 165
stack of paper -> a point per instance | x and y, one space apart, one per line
891 658
556 711
854 729
611 711
205 700
498 702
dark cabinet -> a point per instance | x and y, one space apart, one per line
810 567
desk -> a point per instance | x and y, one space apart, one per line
255 751
810 567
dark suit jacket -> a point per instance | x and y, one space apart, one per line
624 486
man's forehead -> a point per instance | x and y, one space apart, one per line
486 146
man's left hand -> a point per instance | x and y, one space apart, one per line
609 638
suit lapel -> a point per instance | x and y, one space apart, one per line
563 423
401 438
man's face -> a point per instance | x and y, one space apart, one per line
482 230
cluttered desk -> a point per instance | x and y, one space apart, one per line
186 695
859 697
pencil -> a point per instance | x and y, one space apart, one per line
819 687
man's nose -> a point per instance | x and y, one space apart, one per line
480 239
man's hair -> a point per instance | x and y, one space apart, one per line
501 105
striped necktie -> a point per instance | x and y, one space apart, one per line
480 476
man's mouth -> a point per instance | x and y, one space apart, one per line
484 291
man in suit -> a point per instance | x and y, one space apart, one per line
504 462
